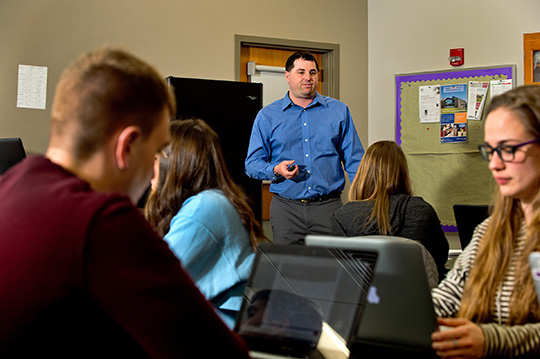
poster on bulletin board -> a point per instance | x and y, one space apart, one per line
439 125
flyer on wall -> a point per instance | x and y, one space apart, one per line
454 98
429 102
453 127
454 113
477 99
498 87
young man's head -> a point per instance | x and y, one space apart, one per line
102 92
111 106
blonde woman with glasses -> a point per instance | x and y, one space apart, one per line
487 302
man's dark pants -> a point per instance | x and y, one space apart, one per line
291 219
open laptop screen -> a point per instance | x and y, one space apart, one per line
294 291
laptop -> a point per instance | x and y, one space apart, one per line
468 216
399 316
304 302
11 152
534 264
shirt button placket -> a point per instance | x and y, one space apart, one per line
306 147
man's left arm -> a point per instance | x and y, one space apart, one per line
351 150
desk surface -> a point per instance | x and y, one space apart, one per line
366 351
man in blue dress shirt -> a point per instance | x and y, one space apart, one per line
301 143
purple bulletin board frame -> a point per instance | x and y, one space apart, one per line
494 71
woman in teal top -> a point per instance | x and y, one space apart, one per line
204 215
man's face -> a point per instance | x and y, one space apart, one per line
144 156
303 79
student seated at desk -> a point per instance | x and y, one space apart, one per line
204 215
381 202
488 299
82 273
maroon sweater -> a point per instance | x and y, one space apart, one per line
82 274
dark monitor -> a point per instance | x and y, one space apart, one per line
298 297
229 108
11 152
399 317
468 216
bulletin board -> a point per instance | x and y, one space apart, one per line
445 174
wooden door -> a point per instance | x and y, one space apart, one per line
531 54
270 57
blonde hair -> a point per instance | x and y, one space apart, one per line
382 172
499 241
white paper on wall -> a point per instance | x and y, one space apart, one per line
32 87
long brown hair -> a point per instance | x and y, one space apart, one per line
498 244
190 164
382 172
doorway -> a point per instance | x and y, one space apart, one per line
273 52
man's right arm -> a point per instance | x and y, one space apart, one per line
259 152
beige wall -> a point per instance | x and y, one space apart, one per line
416 35
196 39
180 37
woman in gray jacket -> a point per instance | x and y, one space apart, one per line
381 203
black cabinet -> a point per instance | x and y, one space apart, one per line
230 108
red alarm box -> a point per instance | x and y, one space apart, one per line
457 57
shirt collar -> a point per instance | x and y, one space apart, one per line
318 100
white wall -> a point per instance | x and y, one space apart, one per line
180 37
407 36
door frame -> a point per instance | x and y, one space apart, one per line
329 52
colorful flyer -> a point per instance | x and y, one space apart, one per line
454 99
453 127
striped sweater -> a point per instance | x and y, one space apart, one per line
501 339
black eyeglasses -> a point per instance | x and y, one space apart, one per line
507 153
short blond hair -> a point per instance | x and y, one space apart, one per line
102 92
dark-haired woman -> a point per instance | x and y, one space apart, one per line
204 215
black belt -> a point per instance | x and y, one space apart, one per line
322 197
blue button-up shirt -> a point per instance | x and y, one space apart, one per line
320 138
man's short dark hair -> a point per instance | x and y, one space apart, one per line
304 55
